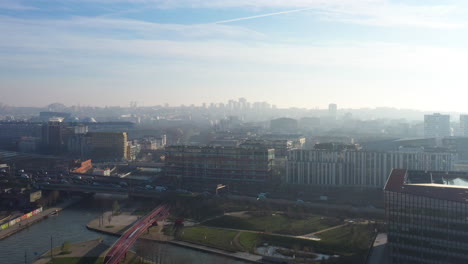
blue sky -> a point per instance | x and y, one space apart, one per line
303 53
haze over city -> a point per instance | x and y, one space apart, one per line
404 54
233 132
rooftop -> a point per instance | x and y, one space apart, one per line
452 186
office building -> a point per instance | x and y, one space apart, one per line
437 125
332 110
464 125
52 137
106 146
347 167
12 132
284 125
427 217
246 163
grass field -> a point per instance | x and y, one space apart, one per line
77 260
350 242
278 223
213 237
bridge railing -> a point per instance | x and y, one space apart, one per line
118 251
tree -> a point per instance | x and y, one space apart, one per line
116 208
65 247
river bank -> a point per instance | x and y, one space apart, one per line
25 224
92 251
118 224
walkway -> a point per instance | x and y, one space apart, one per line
261 232
237 255
378 254
313 235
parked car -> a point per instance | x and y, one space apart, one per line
160 188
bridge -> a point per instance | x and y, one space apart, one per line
132 164
100 189
118 251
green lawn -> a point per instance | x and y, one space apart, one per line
278 223
350 242
77 260
213 237
348 239
249 241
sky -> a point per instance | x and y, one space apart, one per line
293 53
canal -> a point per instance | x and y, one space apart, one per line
70 225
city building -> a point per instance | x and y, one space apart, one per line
46 116
309 123
284 125
437 125
347 167
52 137
427 217
133 150
332 110
246 163
459 145
464 125
12 132
29 144
106 146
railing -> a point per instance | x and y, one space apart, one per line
118 251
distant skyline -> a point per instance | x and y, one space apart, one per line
292 53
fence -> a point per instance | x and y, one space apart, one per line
19 219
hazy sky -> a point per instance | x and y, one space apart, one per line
304 53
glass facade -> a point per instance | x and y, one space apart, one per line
426 229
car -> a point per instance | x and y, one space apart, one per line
24 176
149 187
78 177
160 188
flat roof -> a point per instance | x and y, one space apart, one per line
451 186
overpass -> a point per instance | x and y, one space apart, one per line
132 164
100 189
118 251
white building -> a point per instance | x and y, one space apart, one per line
359 168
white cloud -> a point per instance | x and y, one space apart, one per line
369 12
136 28
14 5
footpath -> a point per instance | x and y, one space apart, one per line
24 224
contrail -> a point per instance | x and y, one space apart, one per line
264 15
